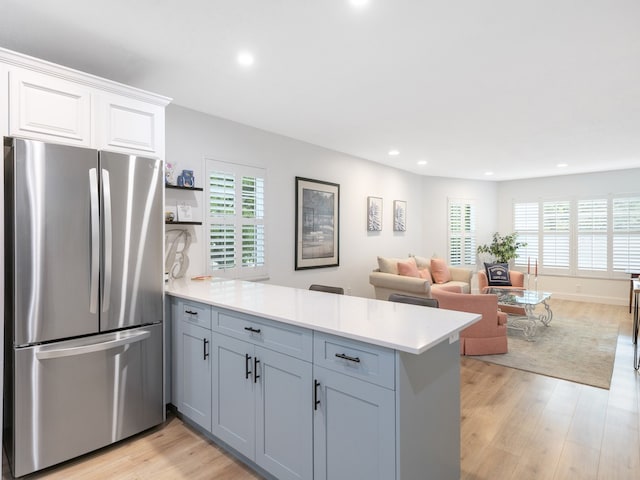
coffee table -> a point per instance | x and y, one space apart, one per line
527 300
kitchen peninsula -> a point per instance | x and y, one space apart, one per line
305 384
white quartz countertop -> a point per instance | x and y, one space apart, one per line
408 328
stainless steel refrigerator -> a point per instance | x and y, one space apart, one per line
83 300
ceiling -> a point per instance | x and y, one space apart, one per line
509 87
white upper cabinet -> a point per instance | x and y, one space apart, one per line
57 104
127 125
49 108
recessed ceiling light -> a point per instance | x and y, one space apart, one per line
393 152
488 174
562 165
245 59
358 3
422 162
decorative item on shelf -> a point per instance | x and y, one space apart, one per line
374 214
177 243
170 214
185 213
186 179
169 171
399 216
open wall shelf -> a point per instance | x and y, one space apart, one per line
177 187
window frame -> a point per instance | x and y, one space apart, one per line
237 220
465 236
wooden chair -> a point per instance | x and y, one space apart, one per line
327 288
425 302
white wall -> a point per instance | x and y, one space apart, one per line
192 136
576 288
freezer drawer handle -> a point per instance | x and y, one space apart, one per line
94 347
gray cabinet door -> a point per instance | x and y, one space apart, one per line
284 415
194 375
234 399
354 429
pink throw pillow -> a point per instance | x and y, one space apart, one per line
440 270
426 274
408 268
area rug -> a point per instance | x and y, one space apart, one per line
581 350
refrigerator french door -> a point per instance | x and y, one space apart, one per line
84 300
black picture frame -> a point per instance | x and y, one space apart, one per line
317 233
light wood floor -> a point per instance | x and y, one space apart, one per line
515 425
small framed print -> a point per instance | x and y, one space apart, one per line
185 213
374 214
399 216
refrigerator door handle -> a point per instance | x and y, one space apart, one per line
92 347
95 241
108 239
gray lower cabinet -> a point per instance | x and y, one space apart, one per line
262 406
354 428
305 405
194 378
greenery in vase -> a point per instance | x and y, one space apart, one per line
504 248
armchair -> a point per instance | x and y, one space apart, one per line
486 337
517 281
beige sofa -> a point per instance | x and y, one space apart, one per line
387 280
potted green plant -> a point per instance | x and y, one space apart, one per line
503 249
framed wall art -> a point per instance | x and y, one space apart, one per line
374 214
317 224
399 216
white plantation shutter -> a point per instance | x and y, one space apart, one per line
597 237
236 220
593 235
462 232
527 224
626 234
556 227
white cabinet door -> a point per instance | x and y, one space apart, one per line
130 126
49 108
195 373
354 428
284 416
233 397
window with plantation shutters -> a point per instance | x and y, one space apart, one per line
556 228
598 237
592 235
462 232
526 221
626 234
236 220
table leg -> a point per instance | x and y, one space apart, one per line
633 275
547 316
634 332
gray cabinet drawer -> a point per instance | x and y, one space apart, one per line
283 338
197 314
360 360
